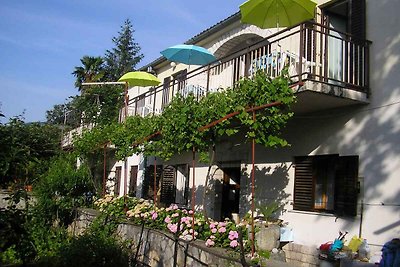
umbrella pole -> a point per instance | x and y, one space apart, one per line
252 192
193 191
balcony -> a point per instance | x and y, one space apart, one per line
328 68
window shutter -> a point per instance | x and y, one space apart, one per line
357 18
165 94
346 190
133 180
117 182
303 184
168 186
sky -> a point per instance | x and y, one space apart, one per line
42 41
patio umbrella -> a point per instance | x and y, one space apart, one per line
140 78
276 13
189 54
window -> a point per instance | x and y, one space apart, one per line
148 182
326 183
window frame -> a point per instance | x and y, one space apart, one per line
345 183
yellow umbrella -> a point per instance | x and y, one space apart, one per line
276 13
140 78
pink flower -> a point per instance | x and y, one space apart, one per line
190 211
222 230
212 237
214 230
174 206
234 243
209 243
154 216
175 215
212 225
172 227
184 219
233 235
221 224
167 220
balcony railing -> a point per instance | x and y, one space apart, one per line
309 51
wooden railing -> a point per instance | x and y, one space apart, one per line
309 51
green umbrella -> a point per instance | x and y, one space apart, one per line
276 13
140 78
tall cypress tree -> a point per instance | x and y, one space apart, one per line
125 55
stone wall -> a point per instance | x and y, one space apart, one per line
301 255
83 219
158 248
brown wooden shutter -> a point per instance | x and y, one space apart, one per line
133 180
346 186
357 27
168 185
117 182
303 184
165 94
357 18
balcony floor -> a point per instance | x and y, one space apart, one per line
314 96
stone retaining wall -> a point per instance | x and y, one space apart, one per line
301 255
158 248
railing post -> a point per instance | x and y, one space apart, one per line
136 106
208 79
154 102
301 53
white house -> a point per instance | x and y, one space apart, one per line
340 172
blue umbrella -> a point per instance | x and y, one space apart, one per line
189 54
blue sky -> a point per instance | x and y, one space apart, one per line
42 41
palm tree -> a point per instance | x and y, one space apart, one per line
92 70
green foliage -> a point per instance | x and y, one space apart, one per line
125 55
66 115
100 105
92 70
15 241
181 120
25 149
269 210
63 188
93 249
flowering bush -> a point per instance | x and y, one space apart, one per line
174 220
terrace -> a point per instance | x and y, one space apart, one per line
328 69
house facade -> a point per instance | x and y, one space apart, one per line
340 172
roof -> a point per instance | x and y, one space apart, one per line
202 35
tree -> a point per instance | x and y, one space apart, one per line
92 70
25 149
125 55
64 114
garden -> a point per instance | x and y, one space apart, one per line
38 232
